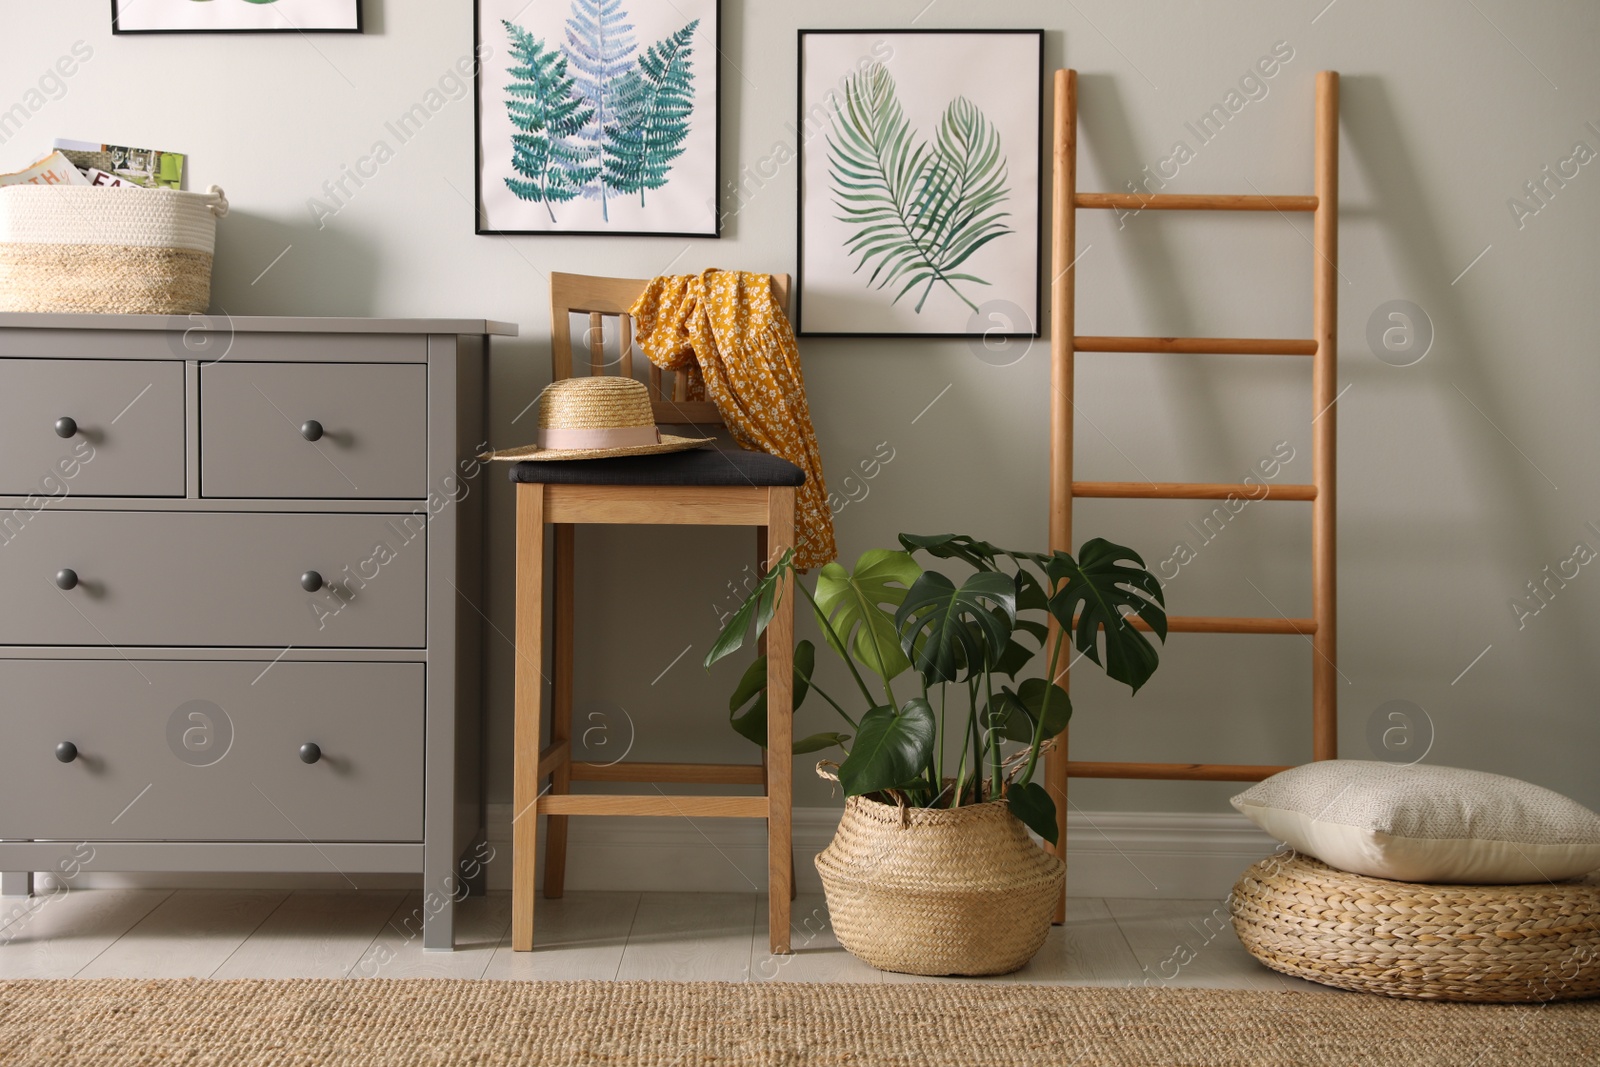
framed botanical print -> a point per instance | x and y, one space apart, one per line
920 166
236 16
598 117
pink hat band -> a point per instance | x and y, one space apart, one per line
570 440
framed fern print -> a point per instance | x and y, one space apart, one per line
920 156
598 117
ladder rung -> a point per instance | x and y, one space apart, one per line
699 773
1174 772
692 807
1192 491
1196 202
1219 624
1240 346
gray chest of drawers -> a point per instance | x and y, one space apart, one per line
240 568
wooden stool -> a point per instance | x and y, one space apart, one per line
702 487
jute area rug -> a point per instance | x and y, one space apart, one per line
486 1024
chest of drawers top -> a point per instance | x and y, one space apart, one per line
237 338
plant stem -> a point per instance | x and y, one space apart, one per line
977 738
1044 706
995 737
838 645
819 691
938 748
961 771
961 776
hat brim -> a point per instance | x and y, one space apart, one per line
524 453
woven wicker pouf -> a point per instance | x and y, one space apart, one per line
1487 943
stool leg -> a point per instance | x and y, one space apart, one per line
766 781
555 846
529 708
761 649
780 725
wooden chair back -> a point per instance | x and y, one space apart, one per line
610 298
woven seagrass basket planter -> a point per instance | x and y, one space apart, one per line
1488 943
939 891
107 250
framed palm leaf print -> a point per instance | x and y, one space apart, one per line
920 156
598 117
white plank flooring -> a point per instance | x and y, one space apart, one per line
312 935
149 933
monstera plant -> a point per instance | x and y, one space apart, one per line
921 644
931 871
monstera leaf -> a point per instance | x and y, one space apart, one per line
751 722
983 556
758 607
891 749
950 628
1030 802
856 607
1020 708
968 549
1096 588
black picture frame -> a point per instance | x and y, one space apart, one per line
1037 303
479 214
360 26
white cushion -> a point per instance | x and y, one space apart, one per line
1420 823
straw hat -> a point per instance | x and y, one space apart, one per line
590 418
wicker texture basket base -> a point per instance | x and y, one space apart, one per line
98 279
1486 943
939 891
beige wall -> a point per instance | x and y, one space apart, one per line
1460 477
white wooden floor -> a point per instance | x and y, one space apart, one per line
158 933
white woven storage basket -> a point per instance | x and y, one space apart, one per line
107 250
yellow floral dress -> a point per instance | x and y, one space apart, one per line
726 329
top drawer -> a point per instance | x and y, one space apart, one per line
314 430
91 427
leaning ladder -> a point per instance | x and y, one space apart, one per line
1321 347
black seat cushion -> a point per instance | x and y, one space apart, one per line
699 466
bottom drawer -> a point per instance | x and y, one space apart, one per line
211 751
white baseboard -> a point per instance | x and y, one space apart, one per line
1109 854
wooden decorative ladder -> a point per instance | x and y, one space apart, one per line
1321 347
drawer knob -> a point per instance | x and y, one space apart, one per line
311 581
66 752
66 427
310 752
66 578
311 430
